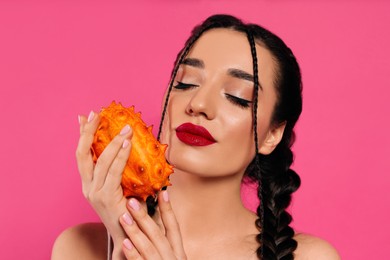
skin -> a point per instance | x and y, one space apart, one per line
199 214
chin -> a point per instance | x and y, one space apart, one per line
206 161
202 165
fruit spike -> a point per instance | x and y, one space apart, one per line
147 170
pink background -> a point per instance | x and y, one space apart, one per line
60 59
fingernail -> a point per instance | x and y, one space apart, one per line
127 218
91 116
165 196
128 243
134 204
125 143
125 130
79 118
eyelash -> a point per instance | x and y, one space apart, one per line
184 86
238 101
235 100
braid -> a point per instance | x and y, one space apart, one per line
196 34
276 181
260 211
278 185
151 202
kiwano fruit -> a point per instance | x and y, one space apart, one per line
147 170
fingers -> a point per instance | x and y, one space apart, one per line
83 152
129 250
146 239
172 229
111 162
145 234
142 244
114 176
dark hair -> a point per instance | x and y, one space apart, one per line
276 181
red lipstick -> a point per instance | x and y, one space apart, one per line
194 135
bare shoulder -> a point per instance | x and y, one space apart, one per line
311 247
84 241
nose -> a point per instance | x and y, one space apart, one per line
202 103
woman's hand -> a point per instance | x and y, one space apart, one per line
147 240
101 183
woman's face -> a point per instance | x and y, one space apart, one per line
209 122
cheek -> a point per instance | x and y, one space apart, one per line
238 127
173 114
238 139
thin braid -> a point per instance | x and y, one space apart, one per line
272 172
169 93
182 55
151 202
256 86
260 222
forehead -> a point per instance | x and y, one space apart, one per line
222 49
222 46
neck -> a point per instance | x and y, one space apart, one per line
203 207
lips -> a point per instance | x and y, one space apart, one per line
194 135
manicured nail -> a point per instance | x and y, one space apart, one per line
134 204
165 196
79 118
128 244
127 218
125 130
125 143
91 116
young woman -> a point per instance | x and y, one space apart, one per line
229 114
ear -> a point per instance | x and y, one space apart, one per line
274 136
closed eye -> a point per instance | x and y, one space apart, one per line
184 86
238 101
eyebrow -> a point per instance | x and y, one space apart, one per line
193 62
240 74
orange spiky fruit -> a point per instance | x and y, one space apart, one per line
147 170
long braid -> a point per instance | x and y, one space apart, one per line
196 34
260 213
151 202
278 182
272 172
278 185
